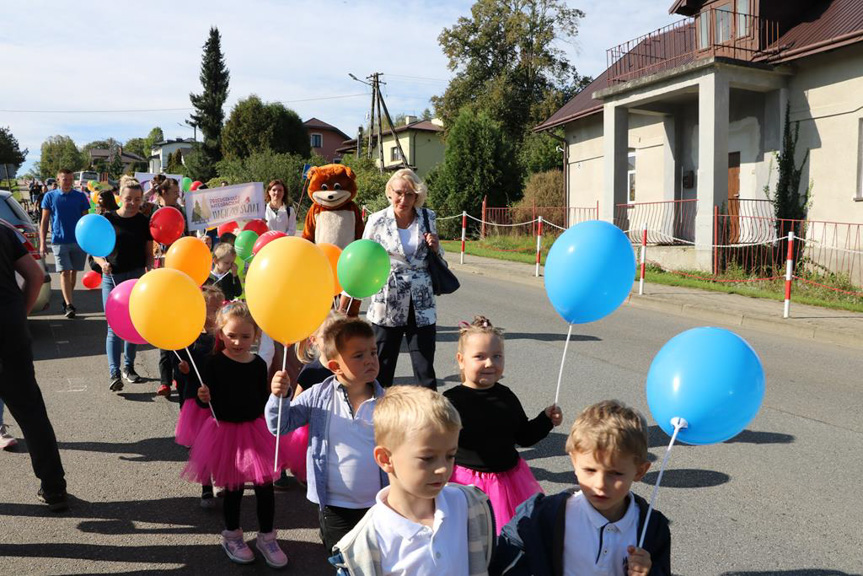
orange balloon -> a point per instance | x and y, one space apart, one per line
190 255
333 252
289 288
167 309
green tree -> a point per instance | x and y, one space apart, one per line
60 152
479 161
155 135
539 153
139 147
115 167
254 126
544 189
371 184
11 155
267 165
175 163
508 61
788 202
209 115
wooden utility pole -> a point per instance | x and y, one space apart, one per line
380 126
376 128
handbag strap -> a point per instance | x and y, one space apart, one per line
428 227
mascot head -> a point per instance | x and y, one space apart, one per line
332 186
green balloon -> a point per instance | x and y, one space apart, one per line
363 268
187 183
244 243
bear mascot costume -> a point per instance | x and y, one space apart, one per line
334 217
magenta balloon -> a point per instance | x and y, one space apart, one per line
117 313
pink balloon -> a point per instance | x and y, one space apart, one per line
265 239
117 312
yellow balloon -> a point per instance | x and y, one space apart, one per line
167 309
190 255
289 288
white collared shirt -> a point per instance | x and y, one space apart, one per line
593 545
282 220
353 479
411 549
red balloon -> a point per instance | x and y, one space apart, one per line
166 225
265 239
228 227
259 227
92 280
195 185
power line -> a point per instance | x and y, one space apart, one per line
138 111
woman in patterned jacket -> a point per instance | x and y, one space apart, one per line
405 306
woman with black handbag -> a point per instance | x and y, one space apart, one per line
405 306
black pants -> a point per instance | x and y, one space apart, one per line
266 507
336 522
166 367
20 392
421 345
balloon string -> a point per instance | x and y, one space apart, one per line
562 360
279 421
201 380
678 424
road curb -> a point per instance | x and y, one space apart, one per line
774 325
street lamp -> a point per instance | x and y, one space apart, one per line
191 125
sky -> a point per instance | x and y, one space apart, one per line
98 69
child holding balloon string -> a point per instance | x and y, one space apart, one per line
593 530
313 372
192 416
494 422
238 448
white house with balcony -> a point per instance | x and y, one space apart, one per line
681 130
158 161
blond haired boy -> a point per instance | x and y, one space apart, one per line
594 530
225 275
419 525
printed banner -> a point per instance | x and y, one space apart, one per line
213 206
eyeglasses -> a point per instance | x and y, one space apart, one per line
400 194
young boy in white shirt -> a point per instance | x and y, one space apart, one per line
419 525
594 530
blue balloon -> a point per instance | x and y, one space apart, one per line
710 377
589 271
95 235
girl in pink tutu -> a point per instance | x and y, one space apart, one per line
192 416
493 422
238 448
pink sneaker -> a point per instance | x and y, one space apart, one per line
236 548
269 547
7 441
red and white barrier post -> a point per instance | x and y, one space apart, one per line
463 234
643 261
789 275
364 213
538 245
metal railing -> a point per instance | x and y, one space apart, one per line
713 32
670 222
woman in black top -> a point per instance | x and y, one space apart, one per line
132 256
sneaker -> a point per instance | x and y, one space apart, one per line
56 501
130 376
116 383
235 548
163 390
7 441
69 311
269 547
283 483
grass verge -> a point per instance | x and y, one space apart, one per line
523 249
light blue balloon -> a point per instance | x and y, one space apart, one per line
712 378
95 235
589 271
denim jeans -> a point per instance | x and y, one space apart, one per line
113 343
2 406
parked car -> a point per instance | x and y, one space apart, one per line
14 216
84 176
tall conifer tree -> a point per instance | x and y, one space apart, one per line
209 115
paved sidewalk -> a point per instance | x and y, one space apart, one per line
809 322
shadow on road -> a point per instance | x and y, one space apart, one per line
146 450
451 334
687 478
795 572
657 437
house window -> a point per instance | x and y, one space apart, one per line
744 21
317 140
394 154
723 17
630 175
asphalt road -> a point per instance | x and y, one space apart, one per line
782 498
